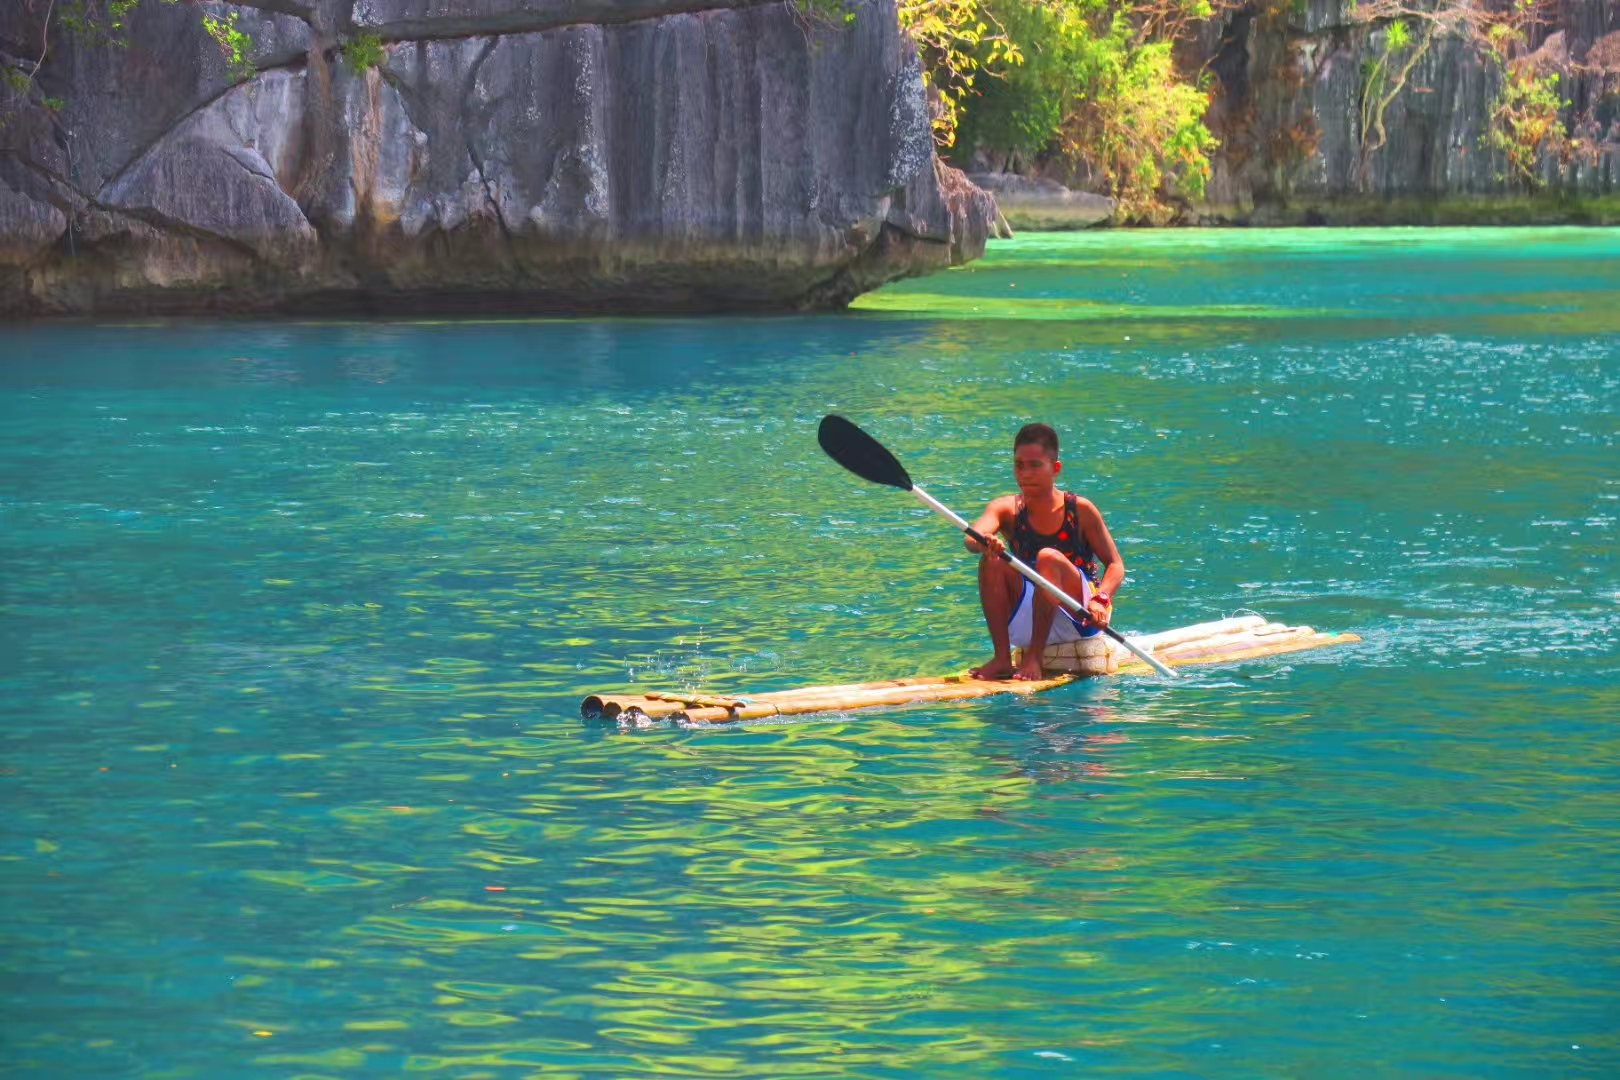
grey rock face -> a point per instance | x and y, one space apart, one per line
217 172
27 227
733 156
1289 109
397 20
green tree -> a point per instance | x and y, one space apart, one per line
1016 114
1098 92
1141 127
958 40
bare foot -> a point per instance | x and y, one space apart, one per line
1030 669
999 667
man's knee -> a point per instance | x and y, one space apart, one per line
1050 562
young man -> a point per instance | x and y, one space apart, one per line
1063 537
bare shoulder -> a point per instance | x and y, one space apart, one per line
1096 529
1004 508
1085 505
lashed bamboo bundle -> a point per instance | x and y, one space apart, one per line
1222 641
1227 640
704 708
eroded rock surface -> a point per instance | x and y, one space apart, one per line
505 154
1299 140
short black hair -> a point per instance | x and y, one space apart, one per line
1039 434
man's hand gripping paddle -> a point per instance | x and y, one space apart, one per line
868 459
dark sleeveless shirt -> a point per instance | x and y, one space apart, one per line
1026 543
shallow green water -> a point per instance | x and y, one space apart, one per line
297 618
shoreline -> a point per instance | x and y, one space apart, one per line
1452 211
503 306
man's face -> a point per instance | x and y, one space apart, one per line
1034 469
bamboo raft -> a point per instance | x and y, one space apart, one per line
1222 641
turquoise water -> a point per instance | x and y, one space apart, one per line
297 618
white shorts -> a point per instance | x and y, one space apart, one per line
1064 625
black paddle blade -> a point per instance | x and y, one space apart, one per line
861 454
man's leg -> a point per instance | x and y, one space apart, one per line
1055 567
999 590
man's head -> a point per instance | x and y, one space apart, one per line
1037 435
1035 459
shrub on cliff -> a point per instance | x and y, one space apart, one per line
1530 122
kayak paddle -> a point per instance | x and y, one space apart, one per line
870 460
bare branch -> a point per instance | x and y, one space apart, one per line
44 40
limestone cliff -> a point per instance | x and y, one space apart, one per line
502 155
1290 81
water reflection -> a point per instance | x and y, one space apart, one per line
634 359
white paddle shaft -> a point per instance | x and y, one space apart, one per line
1041 583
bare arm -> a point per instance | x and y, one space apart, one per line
990 523
1102 543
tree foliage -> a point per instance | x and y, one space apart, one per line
234 44
1097 92
364 52
1141 126
1091 85
958 40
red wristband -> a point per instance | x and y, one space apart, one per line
1103 598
